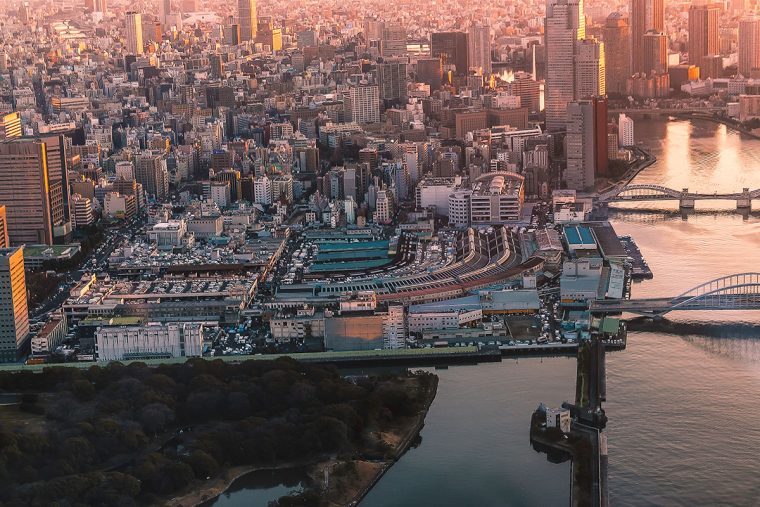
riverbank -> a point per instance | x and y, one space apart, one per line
366 471
349 478
717 119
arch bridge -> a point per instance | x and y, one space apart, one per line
685 198
733 292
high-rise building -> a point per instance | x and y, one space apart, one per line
749 44
479 48
703 37
645 15
134 33
430 71
363 103
564 25
10 125
164 12
247 19
452 48
394 40
654 52
32 192
586 143
152 174
625 131
14 312
590 74
391 77
617 52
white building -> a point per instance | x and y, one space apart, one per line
383 207
262 190
81 211
394 328
117 343
579 174
459 208
363 104
125 170
589 68
558 418
436 192
282 188
350 208
220 193
625 131
497 198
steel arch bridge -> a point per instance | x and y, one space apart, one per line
733 292
646 192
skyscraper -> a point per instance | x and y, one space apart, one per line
479 48
391 76
564 25
654 52
749 44
589 68
4 239
14 312
31 192
248 20
586 142
152 174
394 40
617 52
164 11
645 15
452 48
703 37
134 33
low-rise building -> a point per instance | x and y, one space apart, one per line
154 340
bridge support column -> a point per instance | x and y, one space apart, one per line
744 203
686 203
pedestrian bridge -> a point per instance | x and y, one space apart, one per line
733 292
686 199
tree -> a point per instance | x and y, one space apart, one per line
203 464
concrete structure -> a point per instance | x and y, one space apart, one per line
133 29
452 48
5 241
654 52
354 332
10 126
30 191
558 418
590 74
14 312
565 24
247 20
50 336
645 15
625 131
81 211
749 44
703 37
395 328
154 340
617 51
580 139
497 198
363 103
152 174
436 192
479 48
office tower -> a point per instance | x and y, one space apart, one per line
134 33
617 52
31 193
703 37
451 47
391 77
268 35
749 44
645 15
430 71
563 27
4 239
164 11
232 34
579 174
528 89
57 149
479 40
247 19
151 173
625 131
654 52
363 103
394 40
14 312
589 68
10 125
373 29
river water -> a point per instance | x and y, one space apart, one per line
684 398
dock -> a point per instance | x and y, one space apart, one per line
639 268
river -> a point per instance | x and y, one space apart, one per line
684 398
